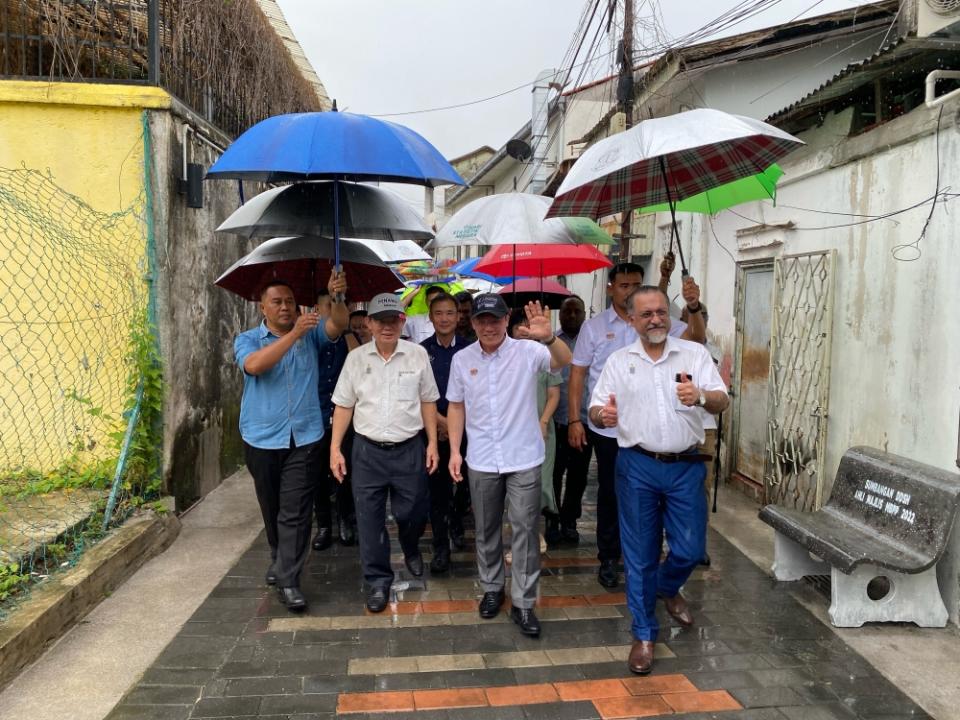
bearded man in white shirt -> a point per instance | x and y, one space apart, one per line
492 392
652 392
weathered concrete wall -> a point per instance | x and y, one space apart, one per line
197 321
896 330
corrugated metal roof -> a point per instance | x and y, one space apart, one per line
893 55
274 14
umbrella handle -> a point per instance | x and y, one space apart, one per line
673 220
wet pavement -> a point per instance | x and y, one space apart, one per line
754 652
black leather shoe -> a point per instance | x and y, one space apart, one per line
414 564
348 532
323 539
490 604
377 600
607 575
292 598
569 534
456 535
441 561
551 530
271 577
527 620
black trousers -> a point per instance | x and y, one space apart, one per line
441 498
328 486
397 473
608 523
285 481
575 463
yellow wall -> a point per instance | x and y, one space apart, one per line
72 259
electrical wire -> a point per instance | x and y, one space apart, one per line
898 250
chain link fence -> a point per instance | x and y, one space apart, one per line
74 344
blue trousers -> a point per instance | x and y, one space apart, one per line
655 497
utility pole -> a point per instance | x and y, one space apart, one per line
625 99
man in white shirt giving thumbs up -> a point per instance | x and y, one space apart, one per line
650 391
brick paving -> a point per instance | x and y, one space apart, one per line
754 652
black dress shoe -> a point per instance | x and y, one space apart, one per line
292 598
377 599
414 564
456 535
271 577
607 575
441 561
569 534
323 539
551 530
348 532
490 604
527 620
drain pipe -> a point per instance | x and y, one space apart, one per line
538 131
930 86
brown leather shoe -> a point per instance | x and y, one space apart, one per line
641 657
677 607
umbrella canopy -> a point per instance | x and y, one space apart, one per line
307 208
542 260
514 218
467 268
668 159
305 264
394 252
548 292
762 186
333 145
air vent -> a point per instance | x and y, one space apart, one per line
944 7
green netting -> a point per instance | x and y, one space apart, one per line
73 330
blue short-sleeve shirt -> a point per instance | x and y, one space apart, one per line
284 401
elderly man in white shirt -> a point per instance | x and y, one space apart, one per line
600 336
652 392
387 388
493 391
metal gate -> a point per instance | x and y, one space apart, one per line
799 384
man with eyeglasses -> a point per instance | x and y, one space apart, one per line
598 338
650 394
387 388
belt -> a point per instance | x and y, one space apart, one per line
388 445
691 455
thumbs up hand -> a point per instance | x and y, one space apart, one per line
687 393
608 413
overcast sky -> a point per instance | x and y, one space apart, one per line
395 56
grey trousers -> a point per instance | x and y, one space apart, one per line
521 490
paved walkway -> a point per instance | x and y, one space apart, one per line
754 653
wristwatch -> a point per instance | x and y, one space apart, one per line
702 400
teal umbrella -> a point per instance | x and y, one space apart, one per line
762 186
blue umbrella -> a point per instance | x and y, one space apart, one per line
334 146
466 268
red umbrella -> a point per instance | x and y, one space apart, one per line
305 264
542 260
548 292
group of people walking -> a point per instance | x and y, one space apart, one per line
451 418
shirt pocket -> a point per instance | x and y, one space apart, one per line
408 388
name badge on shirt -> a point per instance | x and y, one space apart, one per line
368 369
473 371
611 336
633 369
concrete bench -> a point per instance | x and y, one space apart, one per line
879 537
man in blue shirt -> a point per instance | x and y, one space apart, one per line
281 422
441 347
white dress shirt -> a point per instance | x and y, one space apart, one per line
649 413
600 336
386 394
499 392
418 328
